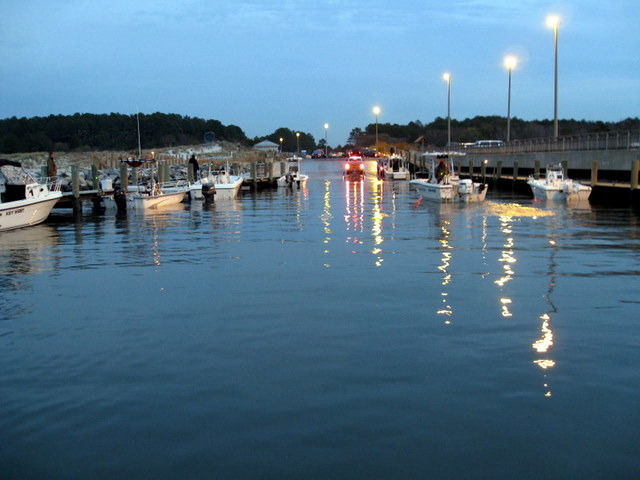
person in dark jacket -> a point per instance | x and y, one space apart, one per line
196 168
52 169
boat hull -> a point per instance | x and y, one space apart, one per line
146 202
28 212
433 191
566 191
466 191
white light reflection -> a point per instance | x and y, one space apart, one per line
545 343
326 217
507 259
354 210
445 306
377 216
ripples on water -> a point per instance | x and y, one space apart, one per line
344 331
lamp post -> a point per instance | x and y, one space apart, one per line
510 63
326 151
298 143
376 112
553 21
281 139
447 78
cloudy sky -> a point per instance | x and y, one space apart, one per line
265 64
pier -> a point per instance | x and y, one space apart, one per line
608 162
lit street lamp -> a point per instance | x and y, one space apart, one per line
376 112
510 63
326 151
281 139
447 78
553 21
298 143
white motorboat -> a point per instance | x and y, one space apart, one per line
220 182
144 198
394 167
293 177
157 197
23 200
443 184
554 186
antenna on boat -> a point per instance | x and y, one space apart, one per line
139 145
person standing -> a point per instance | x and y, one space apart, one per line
52 169
196 168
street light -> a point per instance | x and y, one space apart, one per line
376 112
447 78
298 142
281 140
510 63
553 21
326 151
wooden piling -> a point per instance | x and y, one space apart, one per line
75 183
635 167
515 172
536 170
594 173
95 178
124 176
498 172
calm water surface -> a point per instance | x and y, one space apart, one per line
346 331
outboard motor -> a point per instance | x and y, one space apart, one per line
289 179
120 198
208 192
466 186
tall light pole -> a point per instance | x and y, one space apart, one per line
281 140
447 78
510 63
298 143
326 151
376 112
553 21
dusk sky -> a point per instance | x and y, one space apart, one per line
263 64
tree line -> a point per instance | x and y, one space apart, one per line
85 131
119 132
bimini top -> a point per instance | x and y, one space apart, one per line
4 161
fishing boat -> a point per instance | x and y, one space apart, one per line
443 184
293 177
554 186
394 167
149 195
218 180
23 200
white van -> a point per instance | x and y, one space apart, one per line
488 143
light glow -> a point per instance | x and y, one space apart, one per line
510 62
553 21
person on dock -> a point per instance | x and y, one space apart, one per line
52 169
196 168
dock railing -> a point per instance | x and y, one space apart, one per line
629 140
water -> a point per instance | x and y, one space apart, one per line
345 331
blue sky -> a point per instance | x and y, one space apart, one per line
263 64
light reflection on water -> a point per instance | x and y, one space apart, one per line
346 330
